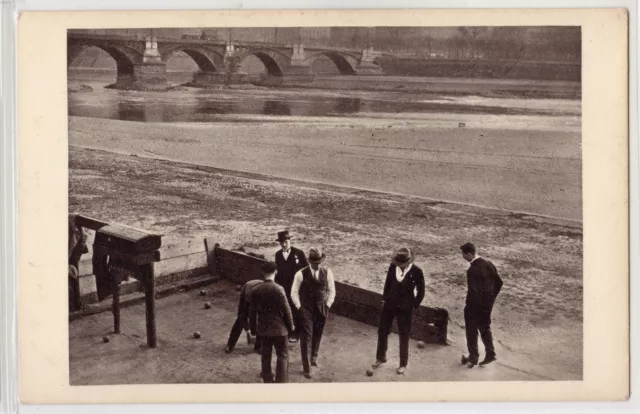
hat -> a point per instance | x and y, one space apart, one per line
402 256
283 235
268 268
316 256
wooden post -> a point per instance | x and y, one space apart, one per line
116 302
210 247
150 298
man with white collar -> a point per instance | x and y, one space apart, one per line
289 260
403 292
313 292
483 286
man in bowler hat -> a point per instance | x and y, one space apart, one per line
313 292
270 318
242 319
289 260
483 286
403 292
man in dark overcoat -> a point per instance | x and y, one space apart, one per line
404 289
271 320
483 286
289 260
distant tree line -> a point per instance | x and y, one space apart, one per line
499 43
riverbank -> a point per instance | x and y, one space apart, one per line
527 164
454 86
538 317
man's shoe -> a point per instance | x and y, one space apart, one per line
377 363
314 362
401 370
471 364
488 359
227 349
307 375
465 360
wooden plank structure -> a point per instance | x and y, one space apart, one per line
118 252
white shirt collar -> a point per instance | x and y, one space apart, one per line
399 273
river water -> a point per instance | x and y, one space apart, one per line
211 105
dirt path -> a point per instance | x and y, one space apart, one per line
538 316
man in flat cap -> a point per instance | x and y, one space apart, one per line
289 260
403 292
270 318
483 286
313 292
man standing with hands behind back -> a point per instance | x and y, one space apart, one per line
483 286
289 260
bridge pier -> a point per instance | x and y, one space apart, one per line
366 65
217 79
145 77
150 75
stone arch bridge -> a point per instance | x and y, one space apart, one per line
141 62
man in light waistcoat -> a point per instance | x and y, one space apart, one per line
313 292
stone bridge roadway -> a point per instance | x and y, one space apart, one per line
141 62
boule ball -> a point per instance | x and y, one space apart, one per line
197 335
203 292
420 344
238 288
207 305
369 373
105 339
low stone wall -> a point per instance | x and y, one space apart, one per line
429 324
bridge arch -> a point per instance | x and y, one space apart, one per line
207 60
345 62
125 56
274 60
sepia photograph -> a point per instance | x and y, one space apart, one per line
325 204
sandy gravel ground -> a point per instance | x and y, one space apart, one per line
519 163
347 350
537 319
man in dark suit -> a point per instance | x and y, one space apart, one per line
403 292
242 319
313 293
483 286
270 318
289 260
